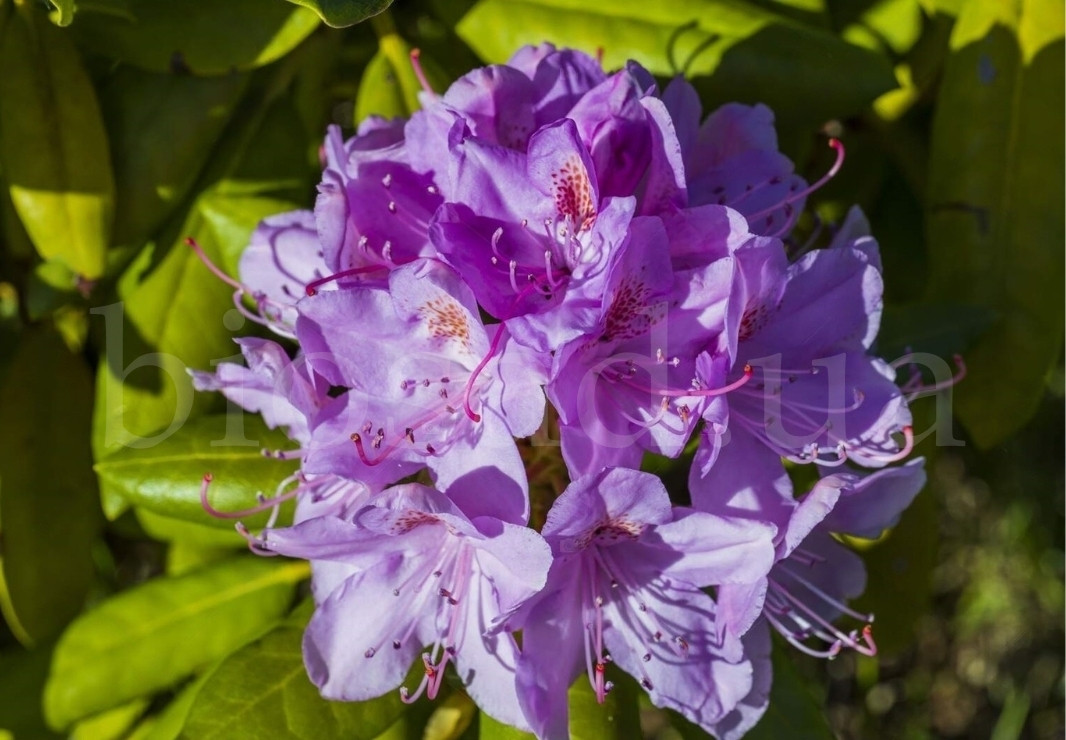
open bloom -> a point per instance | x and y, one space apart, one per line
407 572
625 588
814 575
421 383
817 394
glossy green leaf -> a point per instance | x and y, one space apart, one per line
162 128
155 634
63 13
617 718
343 13
995 203
53 147
793 712
175 315
186 533
491 729
734 51
263 690
198 36
171 720
385 90
112 724
389 86
165 478
48 512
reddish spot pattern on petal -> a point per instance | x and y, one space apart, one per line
445 319
630 314
573 194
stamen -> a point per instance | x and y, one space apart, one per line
416 64
213 267
838 146
312 287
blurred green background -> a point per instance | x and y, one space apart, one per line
126 125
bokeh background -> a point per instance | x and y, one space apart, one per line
126 125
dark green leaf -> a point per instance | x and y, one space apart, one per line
165 478
343 13
263 690
941 329
995 203
162 128
22 674
198 36
793 713
53 147
734 51
48 512
157 633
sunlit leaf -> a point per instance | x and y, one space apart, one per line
264 687
733 50
342 13
63 13
155 634
995 225
165 478
617 718
112 724
53 148
48 512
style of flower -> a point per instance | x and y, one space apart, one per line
624 588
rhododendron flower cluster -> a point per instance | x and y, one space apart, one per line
547 244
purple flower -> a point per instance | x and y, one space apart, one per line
817 395
423 383
286 393
373 209
814 575
531 234
625 588
632 384
407 572
732 159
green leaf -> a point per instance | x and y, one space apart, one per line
170 721
793 712
386 90
63 12
995 203
53 147
165 478
264 687
734 50
48 512
618 718
112 724
491 729
185 533
940 329
175 315
343 13
22 674
162 128
198 36
153 635
389 86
